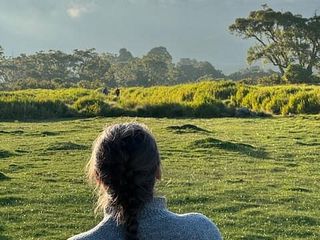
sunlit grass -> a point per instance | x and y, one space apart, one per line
202 99
255 178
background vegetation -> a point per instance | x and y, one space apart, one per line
287 41
89 69
203 99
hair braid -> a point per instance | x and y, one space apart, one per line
126 159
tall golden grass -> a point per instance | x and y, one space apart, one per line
203 99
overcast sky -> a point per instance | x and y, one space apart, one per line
187 28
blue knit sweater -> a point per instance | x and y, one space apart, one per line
156 223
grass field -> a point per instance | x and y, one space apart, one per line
255 178
203 99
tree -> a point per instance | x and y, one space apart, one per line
2 70
51 65
296 74
309 54
282 38
88 68
158 64
124 56
252 73
89 65
189 70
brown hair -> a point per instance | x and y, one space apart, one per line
123 164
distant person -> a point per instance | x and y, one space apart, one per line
117 92
124 165
105 91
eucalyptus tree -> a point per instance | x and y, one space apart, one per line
282 38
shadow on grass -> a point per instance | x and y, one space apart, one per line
308 144
3 177
15 167
49 133
190 200
21 151
300 189
15 132
60 146
256 237
298 220
187 128
6 154
235 207
21 132
246 149
10 201
4 237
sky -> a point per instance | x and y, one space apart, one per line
187 28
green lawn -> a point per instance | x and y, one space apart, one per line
255 178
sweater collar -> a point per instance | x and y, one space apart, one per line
156 203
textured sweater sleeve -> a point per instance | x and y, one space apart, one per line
207 229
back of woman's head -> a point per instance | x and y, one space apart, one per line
124 163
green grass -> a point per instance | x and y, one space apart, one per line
203 99
255 178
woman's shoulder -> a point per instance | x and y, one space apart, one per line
105 227
200 225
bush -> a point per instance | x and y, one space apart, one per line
89 106
213 109
164 110
273 79
303 103
34 109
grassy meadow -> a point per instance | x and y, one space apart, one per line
255 178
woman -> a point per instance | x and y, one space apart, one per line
125 164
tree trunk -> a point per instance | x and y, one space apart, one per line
309 68
281 70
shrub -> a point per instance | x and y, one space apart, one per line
27 109
90 106
213 109
164 110
303 103
273 79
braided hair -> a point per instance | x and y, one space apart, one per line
124 163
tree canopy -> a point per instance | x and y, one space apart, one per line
88 68
282 38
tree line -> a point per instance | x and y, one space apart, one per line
90 69
288 41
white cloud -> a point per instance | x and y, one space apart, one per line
75 10
165 2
